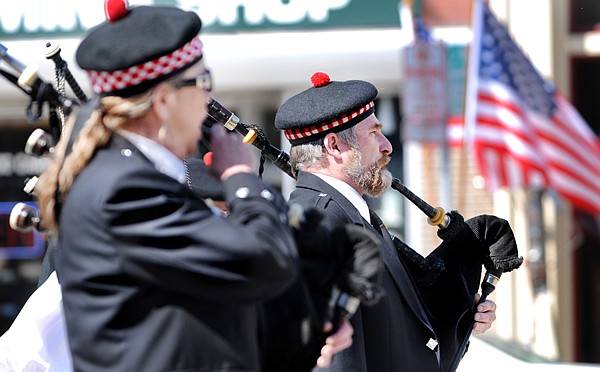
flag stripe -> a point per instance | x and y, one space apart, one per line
522 131
551 134
503 162
563 162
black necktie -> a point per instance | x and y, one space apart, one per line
379 226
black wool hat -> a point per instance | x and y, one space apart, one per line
328 106
137 48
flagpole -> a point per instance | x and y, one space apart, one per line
463 153
470 97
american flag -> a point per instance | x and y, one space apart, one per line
522 131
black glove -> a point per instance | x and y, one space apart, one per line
339 262
335 263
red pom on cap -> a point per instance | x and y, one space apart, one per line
208 158
320 79
115 9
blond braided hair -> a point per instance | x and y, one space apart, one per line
54 184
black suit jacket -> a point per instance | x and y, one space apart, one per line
399 333
153 280
394 335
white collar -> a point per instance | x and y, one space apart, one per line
350 193
163 160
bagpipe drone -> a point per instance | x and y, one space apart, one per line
24 217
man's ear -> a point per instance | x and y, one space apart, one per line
333 145
162 99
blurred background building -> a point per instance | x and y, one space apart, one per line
262 52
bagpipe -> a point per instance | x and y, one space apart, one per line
40 143
467 245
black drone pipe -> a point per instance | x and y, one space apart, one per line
219 113
230 121
38 90
53 53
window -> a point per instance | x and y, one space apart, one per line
585 15
586 89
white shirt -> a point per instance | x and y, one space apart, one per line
37 339
164 160
350 193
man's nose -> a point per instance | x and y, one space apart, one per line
385 146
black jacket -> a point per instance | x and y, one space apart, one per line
153 280
398 333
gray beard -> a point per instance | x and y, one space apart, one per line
373 179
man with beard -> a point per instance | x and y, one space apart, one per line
339 155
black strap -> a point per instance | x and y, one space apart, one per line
379 225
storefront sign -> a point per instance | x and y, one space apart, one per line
61 18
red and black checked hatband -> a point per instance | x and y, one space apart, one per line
346 120
109 81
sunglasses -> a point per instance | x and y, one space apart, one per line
202 81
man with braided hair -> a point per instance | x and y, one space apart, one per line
151 278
